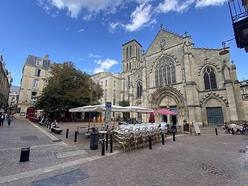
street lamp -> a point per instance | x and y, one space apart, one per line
224 47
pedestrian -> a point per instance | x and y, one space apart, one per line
9 119
2 119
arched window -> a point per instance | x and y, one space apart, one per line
139 90
165 72
127 53
209 78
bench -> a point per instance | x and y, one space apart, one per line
56 130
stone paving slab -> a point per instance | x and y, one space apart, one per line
191 160
67 178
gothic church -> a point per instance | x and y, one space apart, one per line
198 83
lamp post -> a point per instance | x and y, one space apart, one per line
224 47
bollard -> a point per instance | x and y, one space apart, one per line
174 136
75 137
232 131
111 143
107 141
24 154
216 131
150 142
67 131
162 138
103 147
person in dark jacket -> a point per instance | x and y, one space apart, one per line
9 119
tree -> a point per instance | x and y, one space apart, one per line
124 103
66 88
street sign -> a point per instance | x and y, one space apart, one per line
108 106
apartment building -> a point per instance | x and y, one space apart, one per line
13 98
111 85
35 73
5 83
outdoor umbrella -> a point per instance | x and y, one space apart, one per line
165 111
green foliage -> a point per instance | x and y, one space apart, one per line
124 103
66 88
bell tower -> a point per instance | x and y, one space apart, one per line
131 56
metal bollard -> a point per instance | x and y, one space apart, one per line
232 131
75 137
106 141
162 135
150 142
103 147
174 136
67 131
111 143
216 131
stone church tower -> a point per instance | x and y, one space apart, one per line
198 83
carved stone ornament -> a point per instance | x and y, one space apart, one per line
162 43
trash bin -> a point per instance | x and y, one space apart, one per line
94 139
186 127
24 154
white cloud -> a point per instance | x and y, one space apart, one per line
91 55
81 30
141 16
104 65
204 3
113 26
173 5
74 7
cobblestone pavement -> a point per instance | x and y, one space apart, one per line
190 160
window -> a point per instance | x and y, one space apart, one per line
105 94
209 78
139 90
37 72
35 83
38 62
34 95
114 84
165 72
127 53
130 51
106 83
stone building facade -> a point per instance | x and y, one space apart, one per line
198 83
111 85
5 83
34 78
13 98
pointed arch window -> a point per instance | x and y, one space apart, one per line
165 72
139 90
209 78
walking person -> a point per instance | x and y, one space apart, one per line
9 119
2 117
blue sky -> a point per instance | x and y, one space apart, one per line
90 33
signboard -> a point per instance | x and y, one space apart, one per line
108 106
197 129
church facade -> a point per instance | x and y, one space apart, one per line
198 83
